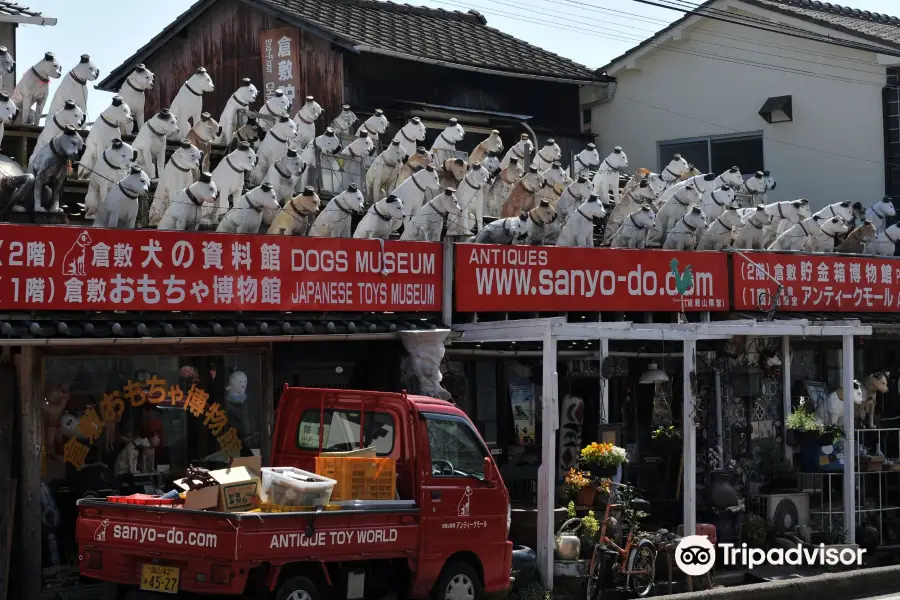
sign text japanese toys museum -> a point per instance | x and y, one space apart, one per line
75 268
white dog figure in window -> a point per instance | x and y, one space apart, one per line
464 508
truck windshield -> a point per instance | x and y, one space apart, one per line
456 450
341 431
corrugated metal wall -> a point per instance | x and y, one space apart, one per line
225 40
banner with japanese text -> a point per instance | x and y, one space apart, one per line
492 278
74 268
279 51
816 282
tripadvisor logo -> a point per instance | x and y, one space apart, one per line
696 555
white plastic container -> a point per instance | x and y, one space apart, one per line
290 486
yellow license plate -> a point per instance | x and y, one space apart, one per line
156 578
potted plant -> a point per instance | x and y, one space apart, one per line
579 488
587 531
602 460
754 530
782 475
602 486
802 426
666 437
832 434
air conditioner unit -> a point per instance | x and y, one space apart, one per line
787 511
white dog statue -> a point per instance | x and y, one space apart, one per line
754 188
714 203
783 215
633 199
229 176
579 228
444 146
677 206
273 147
127 460
703 183
549 154
879 212
815 229
69 114
426 225
119 210
7 63
834 405
283 177
344 122
336 219
502 231
203 134
150 142
246 216
8 112
296 215
586 162
112 167
471 201
683 235
885 244
824 243
355 155
521 151
382 170
48 168
239 100
377 222
138 83
274 107
178 175
719 232
414 191
322 167
74 87
376 125
568 202
306 119
606 179
633 231
671 174
188 103
33 89
104 131
751 233
411 134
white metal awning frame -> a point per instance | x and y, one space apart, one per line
552 330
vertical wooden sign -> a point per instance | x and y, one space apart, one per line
280 55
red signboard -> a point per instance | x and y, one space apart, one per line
492 278
822 283
76 268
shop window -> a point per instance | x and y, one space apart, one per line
456 450
717 154
340 431
133 424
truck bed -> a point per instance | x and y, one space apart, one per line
117 539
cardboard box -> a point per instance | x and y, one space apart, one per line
201 499
238 484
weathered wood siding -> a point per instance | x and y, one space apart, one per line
225 40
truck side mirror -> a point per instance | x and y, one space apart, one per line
488 470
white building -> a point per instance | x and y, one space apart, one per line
708 86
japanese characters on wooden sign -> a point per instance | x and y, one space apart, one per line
816 282
155 391
508 278
62 268
280 54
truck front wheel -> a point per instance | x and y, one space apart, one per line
298 588
458 581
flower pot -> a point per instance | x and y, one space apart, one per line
585 496
601 472
806 437
791 438
720 493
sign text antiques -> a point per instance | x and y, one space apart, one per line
73 268
549 279
280 54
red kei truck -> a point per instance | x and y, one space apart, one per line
445 538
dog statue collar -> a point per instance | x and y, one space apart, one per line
611 168
56 152
635 223
302 118
582 163
58 124
238 100
545 159
670 172
77 79
299 211
179 167
281 173
153 131
231 165
272 133
590 219
415 181
39 76
258 209
384 218
888 236
406 137
716 200
877 214
519 155
688 226
128 193
723 224
108 122
470 184
344 210
533 220
192 90
434 206
109 164
451 143
192 197
132 86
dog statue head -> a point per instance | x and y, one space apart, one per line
478 175
328 142
306 203
291 163
310 111
454 133
344 121
884 208
137 182
730 217
207 129
69 143
7 62
723 196
247 93
580 189
119 154
395 154
592 208
756 184
204 189
770 181
243 158
352 199
48 68
617 160
733 177
551 151
866 232
118 113
446 202
278 103
644 217
284 128
675 168
264 196
493 143
696 218
187 156
688 194
163 122
834 226
200 82
392 206
378 123
69 114
759 217
414 130
141 79
8 109
85 70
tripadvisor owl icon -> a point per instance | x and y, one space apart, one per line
695 555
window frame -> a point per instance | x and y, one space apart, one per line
708 139
437 416
345 410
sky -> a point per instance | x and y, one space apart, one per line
590 32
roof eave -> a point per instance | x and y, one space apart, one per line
599 81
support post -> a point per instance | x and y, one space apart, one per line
786 392
849 441
719 433
447 284
547 470
29 511
690 441
603 413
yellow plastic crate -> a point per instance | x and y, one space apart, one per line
359 478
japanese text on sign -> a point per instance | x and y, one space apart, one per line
280 55
816 283
60 268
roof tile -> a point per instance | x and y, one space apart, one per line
11 9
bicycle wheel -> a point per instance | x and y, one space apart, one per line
642 569
595 574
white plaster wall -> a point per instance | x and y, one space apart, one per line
836 122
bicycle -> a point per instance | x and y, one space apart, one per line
636 562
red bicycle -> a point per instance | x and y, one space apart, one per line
636 562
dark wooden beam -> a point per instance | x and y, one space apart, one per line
29 580
8 393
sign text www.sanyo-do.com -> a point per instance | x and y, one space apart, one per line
333 538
